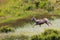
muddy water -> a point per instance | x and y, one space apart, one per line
28 29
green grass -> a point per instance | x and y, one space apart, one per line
14 12
49 34
20 9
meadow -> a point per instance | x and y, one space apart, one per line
16 24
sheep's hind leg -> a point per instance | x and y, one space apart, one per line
50 23
47 24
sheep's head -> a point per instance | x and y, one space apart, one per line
33 19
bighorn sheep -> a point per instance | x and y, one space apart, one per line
41 21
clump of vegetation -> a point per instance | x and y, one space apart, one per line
37 4
49 7
47 35
29 8
6 29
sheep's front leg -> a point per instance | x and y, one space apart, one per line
40 25
50 23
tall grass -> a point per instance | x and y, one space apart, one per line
47 35
23 8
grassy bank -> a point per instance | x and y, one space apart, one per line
16 13
48 34
13 10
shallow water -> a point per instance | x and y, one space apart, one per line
28 29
